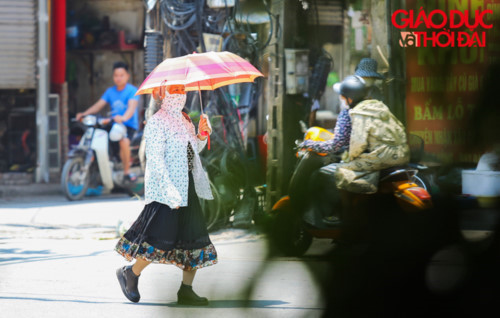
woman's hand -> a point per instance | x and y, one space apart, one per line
203 128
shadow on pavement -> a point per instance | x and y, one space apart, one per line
17 251
54 201
56 300
23 260
275 304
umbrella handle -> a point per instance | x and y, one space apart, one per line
204 133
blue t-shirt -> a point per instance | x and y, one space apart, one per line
118 100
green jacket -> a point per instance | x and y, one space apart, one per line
378 141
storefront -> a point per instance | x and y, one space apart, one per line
18 85
445 81
56 59
100 33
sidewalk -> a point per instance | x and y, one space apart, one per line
58 260
22 184
30 190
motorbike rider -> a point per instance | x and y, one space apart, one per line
377 141
321 184
123 102
367 70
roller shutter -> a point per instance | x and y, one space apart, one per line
326 12
18 44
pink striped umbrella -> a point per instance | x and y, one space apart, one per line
200 71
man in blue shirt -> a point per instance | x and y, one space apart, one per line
123 102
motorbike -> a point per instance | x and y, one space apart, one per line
298 218
94 164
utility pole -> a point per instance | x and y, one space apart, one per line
42 169
281 122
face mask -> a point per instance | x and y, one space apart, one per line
343 103
174 103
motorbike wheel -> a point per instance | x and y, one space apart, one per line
74 180
288 235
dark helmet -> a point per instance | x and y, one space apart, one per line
354 87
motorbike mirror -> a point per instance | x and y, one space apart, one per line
303 126
90 120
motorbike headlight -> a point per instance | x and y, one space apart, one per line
90 120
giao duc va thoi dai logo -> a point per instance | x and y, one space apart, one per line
439 28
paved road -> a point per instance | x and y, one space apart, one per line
57 260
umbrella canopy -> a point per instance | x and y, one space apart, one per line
200 71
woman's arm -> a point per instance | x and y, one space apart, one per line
341 140
201 142
203 127
156 147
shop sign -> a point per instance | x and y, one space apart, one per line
443 82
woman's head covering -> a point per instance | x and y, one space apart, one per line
353 87
367 67
174 103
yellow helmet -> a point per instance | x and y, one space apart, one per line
318 134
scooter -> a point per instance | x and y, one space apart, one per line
93 165
297 218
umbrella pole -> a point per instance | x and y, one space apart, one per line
202 113
201 102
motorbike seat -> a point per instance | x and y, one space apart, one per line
397 173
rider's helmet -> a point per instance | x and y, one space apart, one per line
353 87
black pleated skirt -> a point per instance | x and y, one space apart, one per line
163 235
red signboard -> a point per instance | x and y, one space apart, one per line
444 81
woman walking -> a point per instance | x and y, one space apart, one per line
171 229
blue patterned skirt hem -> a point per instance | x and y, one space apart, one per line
187 260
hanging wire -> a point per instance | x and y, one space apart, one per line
185 22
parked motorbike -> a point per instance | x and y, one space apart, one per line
94 163
298 218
